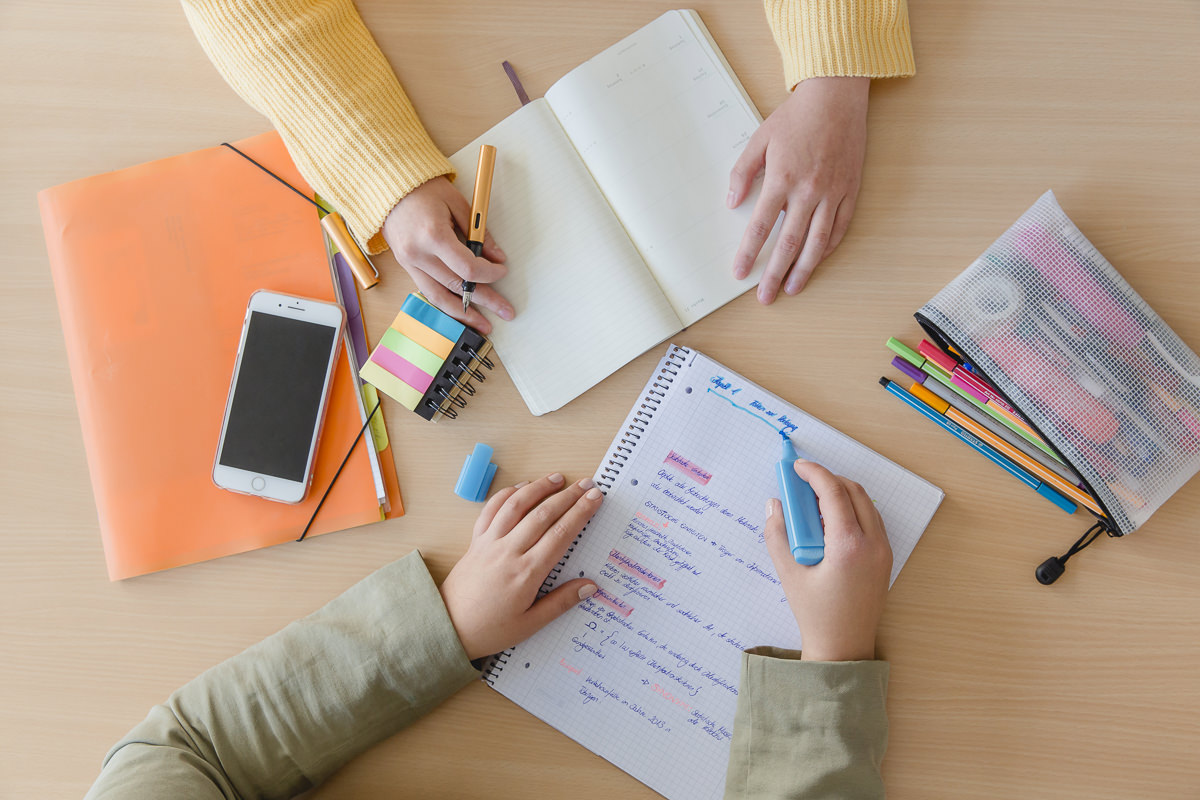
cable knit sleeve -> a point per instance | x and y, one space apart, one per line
828 38
314 70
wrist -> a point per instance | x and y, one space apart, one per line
839 652
844 89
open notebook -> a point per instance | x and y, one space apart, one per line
609 199
645 673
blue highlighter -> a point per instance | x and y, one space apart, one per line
806 536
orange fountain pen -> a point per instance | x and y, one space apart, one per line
479 211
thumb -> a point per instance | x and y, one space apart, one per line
749 164
554 605
775 535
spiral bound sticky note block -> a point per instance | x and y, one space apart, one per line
428 361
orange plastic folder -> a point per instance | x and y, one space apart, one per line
153 266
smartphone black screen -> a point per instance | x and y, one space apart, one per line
277 396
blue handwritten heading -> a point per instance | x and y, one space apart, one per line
757 409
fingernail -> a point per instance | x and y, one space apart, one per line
522 483
587 591
594 494
770 508
555 478
506 313
586 483
729 200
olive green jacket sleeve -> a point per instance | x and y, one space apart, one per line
807 729
285 714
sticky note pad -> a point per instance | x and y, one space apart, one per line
426 360
431 317
423 335
390 385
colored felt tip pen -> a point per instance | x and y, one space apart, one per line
479 211
806 536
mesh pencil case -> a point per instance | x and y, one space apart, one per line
1049 322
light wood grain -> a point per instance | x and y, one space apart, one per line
1000 687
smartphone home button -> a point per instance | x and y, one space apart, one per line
258 484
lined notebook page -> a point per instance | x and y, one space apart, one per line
586 305
646 672
659 119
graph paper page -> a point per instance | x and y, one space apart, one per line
645 673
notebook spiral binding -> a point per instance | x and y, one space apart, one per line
610 470
452 385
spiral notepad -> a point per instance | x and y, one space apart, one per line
428 361
645 673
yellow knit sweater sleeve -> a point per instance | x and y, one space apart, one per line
313 69
826 38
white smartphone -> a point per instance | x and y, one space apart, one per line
278 396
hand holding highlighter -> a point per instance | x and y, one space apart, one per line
806 536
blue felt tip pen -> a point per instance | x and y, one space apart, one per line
805 534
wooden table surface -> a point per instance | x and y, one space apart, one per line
1000 687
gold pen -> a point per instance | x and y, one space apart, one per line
479 210
363 268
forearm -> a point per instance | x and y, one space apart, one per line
314 70
288 712
840 38
807 729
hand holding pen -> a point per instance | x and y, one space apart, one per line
422 230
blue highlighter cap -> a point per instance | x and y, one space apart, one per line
476 476
806 535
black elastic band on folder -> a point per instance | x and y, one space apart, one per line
329 488
276 177
371 415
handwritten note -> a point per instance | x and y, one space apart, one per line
646 672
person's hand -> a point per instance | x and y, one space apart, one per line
812 151
838 601
520 535
421 231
